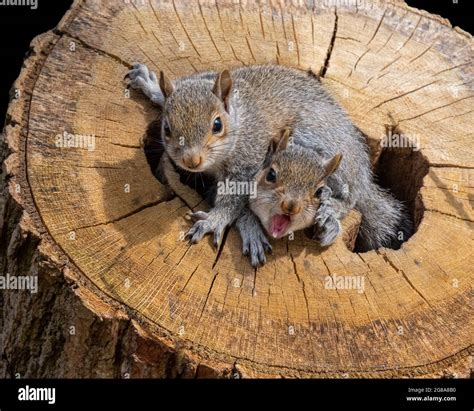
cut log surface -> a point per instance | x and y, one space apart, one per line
121 295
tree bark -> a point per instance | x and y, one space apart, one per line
120 295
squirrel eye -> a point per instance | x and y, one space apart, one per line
217 125
319 191
271 176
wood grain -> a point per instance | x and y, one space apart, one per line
386 63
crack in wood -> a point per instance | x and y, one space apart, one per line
221 246
402 95
184 29
392 62
137 19
453 68
449 165
268 366
209 32
357 62
92 48
208 294
250 48
125 145
402 272
451 117
378 27
189 278
449 215
99 167
411 34
421 54
122 217
324 68
303 288
296 40
436 108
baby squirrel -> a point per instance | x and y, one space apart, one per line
222 124
292 190
298 188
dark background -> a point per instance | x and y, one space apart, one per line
20 24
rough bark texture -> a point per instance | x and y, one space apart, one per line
121 296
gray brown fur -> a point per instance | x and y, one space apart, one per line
263 100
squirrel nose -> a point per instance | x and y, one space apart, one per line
290 207
192 160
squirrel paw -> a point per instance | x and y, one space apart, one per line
326 194
146 81
206 223
328 226
255 244
325 211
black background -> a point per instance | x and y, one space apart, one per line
136 394
20 25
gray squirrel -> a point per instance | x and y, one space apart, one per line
288 201
223 124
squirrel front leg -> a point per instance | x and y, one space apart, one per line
328 216
227 208
254 240
141 78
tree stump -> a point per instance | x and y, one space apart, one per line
120 295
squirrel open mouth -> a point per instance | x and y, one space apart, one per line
279 225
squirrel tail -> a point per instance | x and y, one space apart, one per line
385 221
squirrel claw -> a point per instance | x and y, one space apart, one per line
255 248
268 248
204 224
257 258
197 216
189 236
141 78
254 241
196 233
218 234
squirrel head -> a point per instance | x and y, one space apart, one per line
196 124
290 186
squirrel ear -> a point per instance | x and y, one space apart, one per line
222 87
278 143
165 85
332 165
281 142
